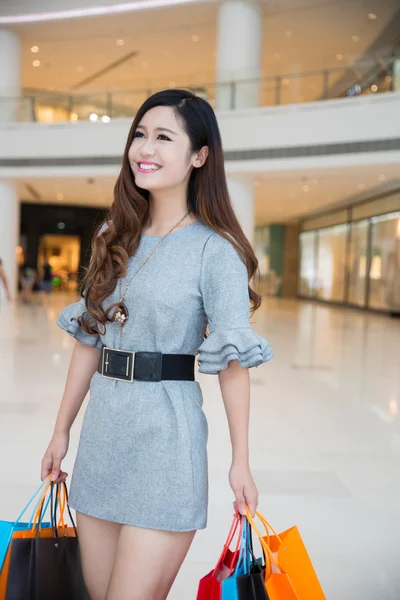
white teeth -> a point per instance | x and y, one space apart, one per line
148 167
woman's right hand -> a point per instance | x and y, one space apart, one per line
55 453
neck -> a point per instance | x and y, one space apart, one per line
166 208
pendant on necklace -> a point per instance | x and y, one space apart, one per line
121 314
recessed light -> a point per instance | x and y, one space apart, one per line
35 49
195 38
355 38
61 225
382 177
372 16
361 186
172 84
120 42
285 81
388 79
60 196
306 188
36 63
374 88
105 119
339 56
74 117
93 117
79 69
288 33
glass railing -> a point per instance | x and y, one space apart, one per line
370 77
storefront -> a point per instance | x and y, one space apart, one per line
351 256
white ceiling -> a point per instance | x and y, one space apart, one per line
279 197
299 35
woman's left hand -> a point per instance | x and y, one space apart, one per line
244 488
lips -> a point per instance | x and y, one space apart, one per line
148 167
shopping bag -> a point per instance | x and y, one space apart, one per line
7 528
247 582
210 586
47 565
289 573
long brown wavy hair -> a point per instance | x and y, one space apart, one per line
207 200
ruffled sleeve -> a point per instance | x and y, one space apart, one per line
68 320
224 288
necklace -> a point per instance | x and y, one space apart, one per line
121 313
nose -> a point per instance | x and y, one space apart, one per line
147 149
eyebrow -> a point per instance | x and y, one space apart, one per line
159 129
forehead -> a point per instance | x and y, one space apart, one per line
160 116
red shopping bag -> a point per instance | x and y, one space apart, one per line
210 586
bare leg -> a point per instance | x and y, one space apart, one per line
98 541
147 563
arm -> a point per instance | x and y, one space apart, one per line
235 388
82 367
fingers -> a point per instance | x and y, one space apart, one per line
56 470
240 501
47 465
252 501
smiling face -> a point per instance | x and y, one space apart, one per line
160 155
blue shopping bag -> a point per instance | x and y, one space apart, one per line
229 587
7 528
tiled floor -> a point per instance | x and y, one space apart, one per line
325 436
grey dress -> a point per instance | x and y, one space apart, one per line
142 457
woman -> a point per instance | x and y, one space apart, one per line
170 258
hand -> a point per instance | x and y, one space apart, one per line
244 488
51 462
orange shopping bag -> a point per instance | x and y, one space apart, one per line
289 573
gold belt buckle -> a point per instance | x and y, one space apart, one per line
130 364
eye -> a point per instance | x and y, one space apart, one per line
164 137
138 134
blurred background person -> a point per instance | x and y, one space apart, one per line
4 281
27 278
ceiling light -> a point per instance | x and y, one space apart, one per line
60 196
105 119
35 49
361 186
120 42
61 225
93 117
172 84
79 69
195 38
372 16
339 56
36 63
288 33
92 11
74 117
285 81
374 88
382 177
388 79
306 188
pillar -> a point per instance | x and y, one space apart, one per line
10 79
396 75
242 195
9 231
239 48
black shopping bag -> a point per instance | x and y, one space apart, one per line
47 568
251 585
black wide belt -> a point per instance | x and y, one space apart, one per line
145 366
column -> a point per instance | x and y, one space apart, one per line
239 47
10 79
396 75
9 231
242 195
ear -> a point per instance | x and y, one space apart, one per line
201 157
